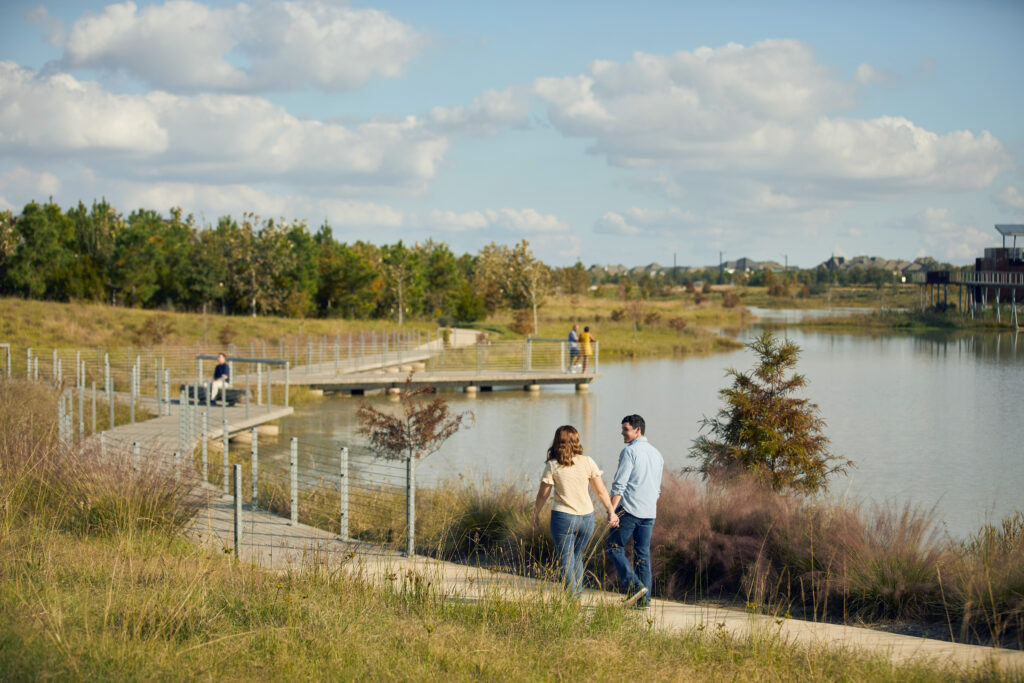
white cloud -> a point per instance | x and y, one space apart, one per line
21 182
55 33
637 221
765 112
60 113
1010 198
489 111
235 199
272 44
221 139
510 221
947 237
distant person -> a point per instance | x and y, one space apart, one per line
221 377
586 340
635 492
569 473
574 347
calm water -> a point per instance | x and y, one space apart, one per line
934 420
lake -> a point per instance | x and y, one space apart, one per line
931 419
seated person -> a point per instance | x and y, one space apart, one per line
221 377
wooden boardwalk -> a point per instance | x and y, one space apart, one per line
163 434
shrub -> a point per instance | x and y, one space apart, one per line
730 300
764 431
523 322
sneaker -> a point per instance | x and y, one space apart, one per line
631 600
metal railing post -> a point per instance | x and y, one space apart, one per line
238 508
136 454
254 467
110 399
293 462
205 448
286 383
343 493
94 406
227 442
131 394
410 506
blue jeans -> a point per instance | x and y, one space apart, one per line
632 578
571 534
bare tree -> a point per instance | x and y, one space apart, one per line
417 429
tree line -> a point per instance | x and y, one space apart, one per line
255 266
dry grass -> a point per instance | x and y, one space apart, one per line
97 583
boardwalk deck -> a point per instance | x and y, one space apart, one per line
161 434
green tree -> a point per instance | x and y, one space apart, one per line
44 256
346 279
764 431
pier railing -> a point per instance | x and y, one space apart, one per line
986 277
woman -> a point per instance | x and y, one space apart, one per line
569 473
588 350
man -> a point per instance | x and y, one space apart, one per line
221 377
635 491
574 347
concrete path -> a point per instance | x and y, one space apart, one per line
271 542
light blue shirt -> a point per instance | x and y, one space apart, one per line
638 478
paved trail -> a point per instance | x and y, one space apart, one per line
269 541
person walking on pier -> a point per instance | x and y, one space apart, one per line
586 340
569 473
221 377
635 492
574 347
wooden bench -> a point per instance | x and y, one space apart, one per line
230 395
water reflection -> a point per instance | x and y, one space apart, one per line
933 419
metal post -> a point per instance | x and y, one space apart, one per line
343 493
237 506
110 399
410 506
247 394
227 442
103 445
81 415
293 462
54 368
167 392
132 395
206 429
60 419
28 375
136 454
94 406
268 388
286 385
254 469
177 465
259 384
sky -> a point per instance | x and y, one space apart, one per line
605 132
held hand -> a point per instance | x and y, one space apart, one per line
536 521
613 520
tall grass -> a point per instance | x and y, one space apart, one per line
71 487
785 555
96 582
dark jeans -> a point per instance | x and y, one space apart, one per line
571 534
631 578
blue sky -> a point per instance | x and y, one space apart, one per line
606 132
